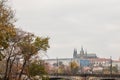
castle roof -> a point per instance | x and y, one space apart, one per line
91 55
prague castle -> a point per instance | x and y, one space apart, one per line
85 61
83 54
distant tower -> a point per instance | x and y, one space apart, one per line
75 53
81 52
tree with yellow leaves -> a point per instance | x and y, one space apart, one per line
7 30
74 67
30 46
15 43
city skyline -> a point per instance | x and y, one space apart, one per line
70 24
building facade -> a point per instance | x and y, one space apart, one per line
85 61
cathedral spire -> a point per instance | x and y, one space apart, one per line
75 53
82 51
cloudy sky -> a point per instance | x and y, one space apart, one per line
93 24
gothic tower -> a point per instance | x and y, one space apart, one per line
75 53
81 52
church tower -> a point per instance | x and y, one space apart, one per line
81 52
75 53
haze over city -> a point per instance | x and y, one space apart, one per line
93 24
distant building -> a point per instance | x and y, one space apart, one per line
83 54
85 61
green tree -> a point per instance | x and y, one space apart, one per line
37 68
30 46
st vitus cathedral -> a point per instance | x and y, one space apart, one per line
83 54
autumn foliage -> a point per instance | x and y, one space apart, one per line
17 47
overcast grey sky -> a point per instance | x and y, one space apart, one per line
95 24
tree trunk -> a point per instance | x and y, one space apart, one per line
8 64
6 70
10 68
22 70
